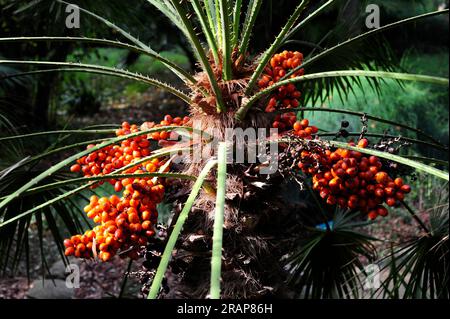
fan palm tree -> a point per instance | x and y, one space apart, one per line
237 232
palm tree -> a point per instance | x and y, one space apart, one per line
239 233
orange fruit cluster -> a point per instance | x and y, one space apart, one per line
351 180
301 128
124 223
287 95
167 121
112 157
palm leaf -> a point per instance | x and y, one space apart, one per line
216 259
206 29
170 65
92 68
249 22
422 264
165 258
327 265
240 114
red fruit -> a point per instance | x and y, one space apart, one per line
381 177
400 196
363 143
405 189
373 160
352 171
68 243
379 192
382 211
75 168
297 126
389 191
105 256
372 214
146 225
304 123
390 201
118 186
324 193
70 251
398 182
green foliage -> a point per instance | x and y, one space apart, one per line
170 245
328 263
419 267
421 105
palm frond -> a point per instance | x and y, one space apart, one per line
92 68
185 76
226 38
200 52
267 55
236 22
212 43
327 264
240 114
421 268
249 22
216 259
167 254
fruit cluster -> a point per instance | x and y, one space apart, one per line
351 180
301 128
281 64
167 121
124 223
112 157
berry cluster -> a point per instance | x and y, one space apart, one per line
167 121
124 223
301 128
351 180
112 157
287 95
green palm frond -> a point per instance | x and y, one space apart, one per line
216 258
420 268
16 239
327 263
167 254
